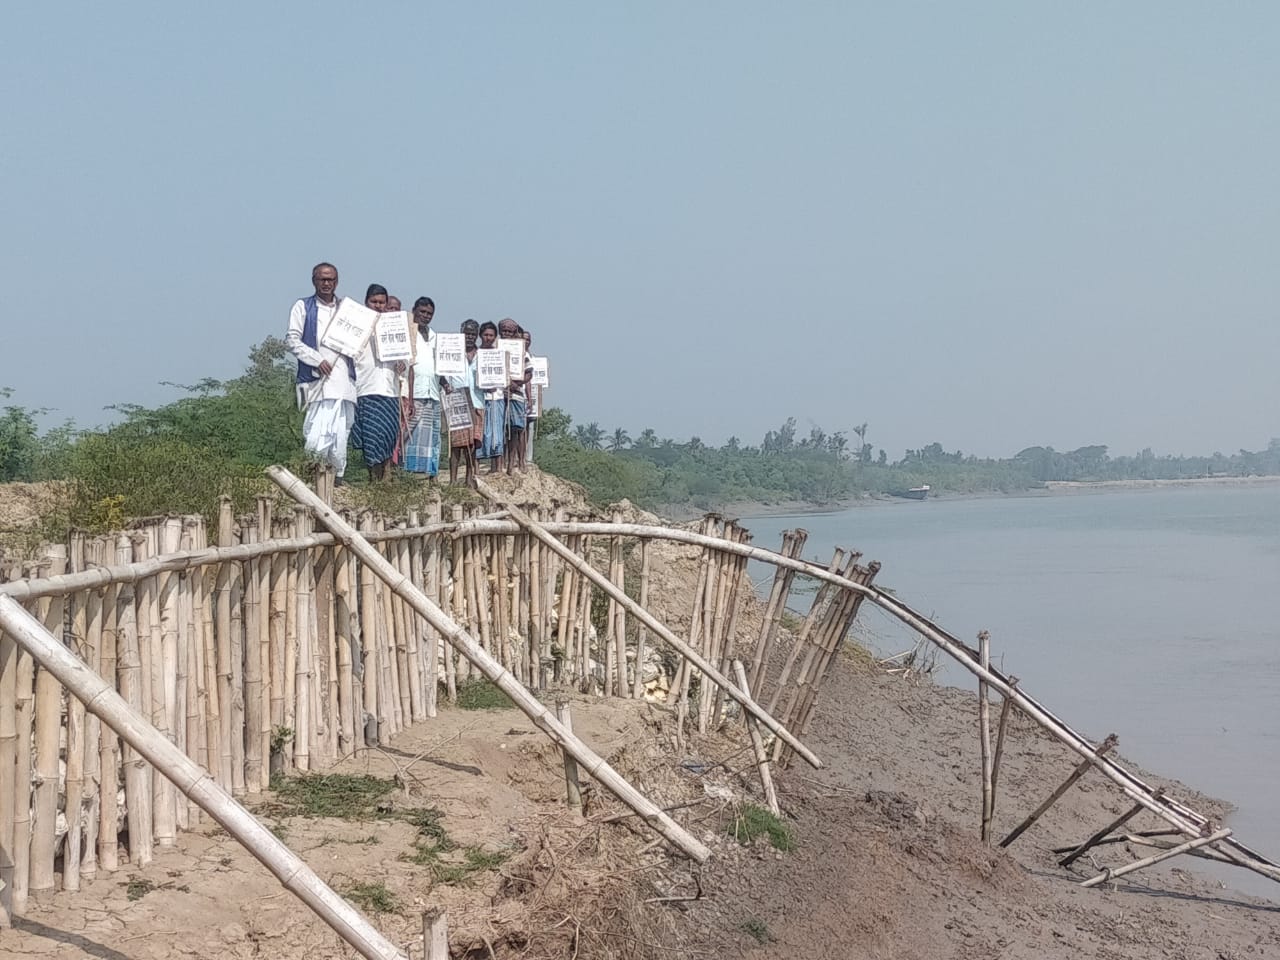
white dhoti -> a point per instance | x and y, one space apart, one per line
325 429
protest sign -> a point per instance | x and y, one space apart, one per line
457 410
391 337
540 371
491 369
350 328
535 403
514 350
451 354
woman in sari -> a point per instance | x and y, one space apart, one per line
463 442
377 426
495 408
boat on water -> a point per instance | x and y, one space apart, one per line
916 493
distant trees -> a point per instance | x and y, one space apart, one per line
589 437
619 441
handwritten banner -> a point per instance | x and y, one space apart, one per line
391 337
491 369
540 371
350 328
451 354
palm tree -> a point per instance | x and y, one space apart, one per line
590 437
648 438
619 441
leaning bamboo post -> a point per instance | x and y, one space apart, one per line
48 730
1103 748
74 805
984 737
24 703
1190 845
1006 707
684 674
801 638
137 791
9 801
1102 834
368 646
637 683
143 740
466 644
573 789
108 742
773 610
757 746
253 629
729 649
660 630
222 662
302 657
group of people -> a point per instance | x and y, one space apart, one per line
392 410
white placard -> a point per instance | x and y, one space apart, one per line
457 410
534 410
540 371
391 337
491 369
350 328
514 349
451 354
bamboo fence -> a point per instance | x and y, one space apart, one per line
278 649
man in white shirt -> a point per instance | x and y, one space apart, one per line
422 452
326 379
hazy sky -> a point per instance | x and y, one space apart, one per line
991 225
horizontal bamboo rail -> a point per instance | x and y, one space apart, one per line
196 783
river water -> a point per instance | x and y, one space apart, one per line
1149 613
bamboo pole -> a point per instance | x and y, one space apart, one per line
596 766
291 627
984 738
801 638
253 698
275 660
757 746
412 566
369 645
1075 854
150 673
388 688
92 726
435 934
573 790
433 562
137 791
1190 845
108 744
637 687
684 673
222 654
1006 707
48 730
458 588
8 767
661 631
534 599
74 804
617 615
586 677
301 655
315 685
1106 746
729 649
188 672
399 626
237 704
347 627
792 543
24 703
163 633
145 741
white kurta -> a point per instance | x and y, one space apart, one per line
330 402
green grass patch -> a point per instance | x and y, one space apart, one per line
338 795
751 821
758 929
374 897
478 693
475 860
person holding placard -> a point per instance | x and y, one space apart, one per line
422 449
466 425
326 380
533 400
377 424
519 372
491 377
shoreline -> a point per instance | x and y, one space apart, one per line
751 509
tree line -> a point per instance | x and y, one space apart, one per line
218 436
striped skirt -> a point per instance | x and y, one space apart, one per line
422 451
377 428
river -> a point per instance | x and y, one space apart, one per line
1148 613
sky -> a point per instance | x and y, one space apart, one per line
989 225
